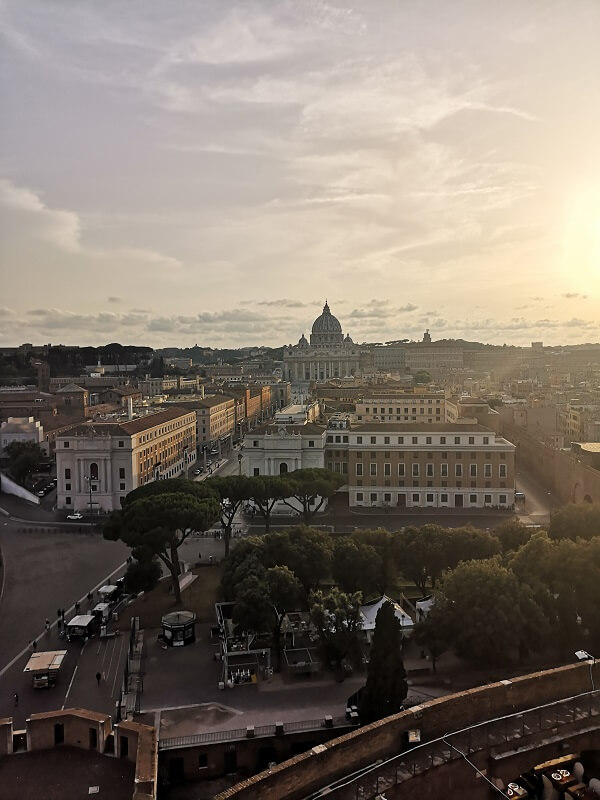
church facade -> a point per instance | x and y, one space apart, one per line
329 354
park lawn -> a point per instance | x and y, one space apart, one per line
200 597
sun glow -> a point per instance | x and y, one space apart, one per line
582 241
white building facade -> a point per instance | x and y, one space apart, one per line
98 463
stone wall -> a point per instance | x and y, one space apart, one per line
310 771
567 478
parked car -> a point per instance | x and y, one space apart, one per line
75 515
199 471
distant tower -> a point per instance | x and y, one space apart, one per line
427 337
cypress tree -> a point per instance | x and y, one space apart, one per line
386 685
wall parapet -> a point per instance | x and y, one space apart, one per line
327 763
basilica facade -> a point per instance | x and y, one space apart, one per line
329 354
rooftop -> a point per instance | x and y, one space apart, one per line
425 427
63 773
127 427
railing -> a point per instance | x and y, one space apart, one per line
367 783
213 737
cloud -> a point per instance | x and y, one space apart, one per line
61 228
64 229
574 295
114 299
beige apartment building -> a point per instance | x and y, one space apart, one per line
420 407
98 463
438 465
215 417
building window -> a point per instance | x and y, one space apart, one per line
458 470
329 439
67 487
429 472
487 498
444 470
502 499
359 497
66 444
344 439
503 470
359 440
471 440
486 439
387 497
386 439
428 440
457 440
93 471
442 440
373 497
67 501
372 469
311 442
415 497
67 474
359 468
415 440
430 498
202 761
473 470
256 471
121 472
373 440
401 440
121 443
122 487
415 470
473 498
443 498
401 470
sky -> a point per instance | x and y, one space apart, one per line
185 172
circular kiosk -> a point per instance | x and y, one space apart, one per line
179 628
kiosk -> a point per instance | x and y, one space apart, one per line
80 627
44 668
109 593
179 628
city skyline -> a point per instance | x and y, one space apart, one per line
208 172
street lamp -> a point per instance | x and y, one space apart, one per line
88 478
583 655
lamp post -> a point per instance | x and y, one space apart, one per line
240 457
89 482
583 655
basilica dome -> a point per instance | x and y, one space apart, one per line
326 323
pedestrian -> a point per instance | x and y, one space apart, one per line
77 607
98 678
62 614
90 597
199 556
16 697
59 613
59 625
47 625
33 645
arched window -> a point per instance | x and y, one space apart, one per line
283 468
93 471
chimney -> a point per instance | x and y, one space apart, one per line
130 408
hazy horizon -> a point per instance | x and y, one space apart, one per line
208 172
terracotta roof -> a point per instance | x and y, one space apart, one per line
128 427
206 402
70 388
